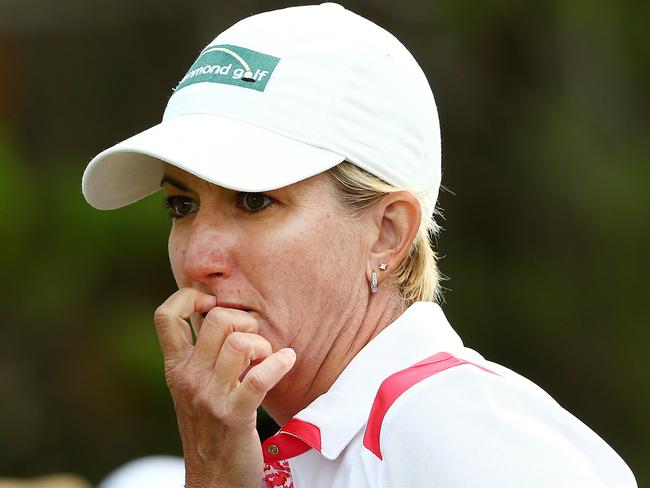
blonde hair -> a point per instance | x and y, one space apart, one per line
417 278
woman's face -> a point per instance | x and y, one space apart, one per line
291 257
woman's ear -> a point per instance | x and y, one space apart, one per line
397 217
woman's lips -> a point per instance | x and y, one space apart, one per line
233 305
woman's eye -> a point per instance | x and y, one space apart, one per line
180 206
254 202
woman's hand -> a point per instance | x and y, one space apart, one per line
216 412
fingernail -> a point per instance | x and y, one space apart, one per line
290 353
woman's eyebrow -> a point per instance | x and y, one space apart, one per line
173 181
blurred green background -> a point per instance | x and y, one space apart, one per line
545 117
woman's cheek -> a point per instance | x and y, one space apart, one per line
176 256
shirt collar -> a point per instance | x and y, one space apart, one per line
341 412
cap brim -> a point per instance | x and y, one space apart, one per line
224 151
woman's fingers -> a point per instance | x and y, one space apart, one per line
218 324
171 317
226 344
215 412
260 379
238 351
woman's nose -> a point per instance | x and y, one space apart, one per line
206 256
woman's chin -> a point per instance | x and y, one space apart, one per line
270 332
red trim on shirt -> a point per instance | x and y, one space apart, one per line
396 384
295 437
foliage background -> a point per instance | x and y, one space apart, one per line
544 109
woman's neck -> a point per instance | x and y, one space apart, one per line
315 373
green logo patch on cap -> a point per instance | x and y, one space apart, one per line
231 65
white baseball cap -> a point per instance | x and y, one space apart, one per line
282 96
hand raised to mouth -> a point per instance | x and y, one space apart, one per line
217 383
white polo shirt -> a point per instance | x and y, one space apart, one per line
415 408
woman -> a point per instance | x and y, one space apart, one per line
300 161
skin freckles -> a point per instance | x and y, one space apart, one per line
298 266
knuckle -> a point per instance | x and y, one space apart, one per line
215 318
161 315
220 316
172 305
256 381
239 343
186 386
203 401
